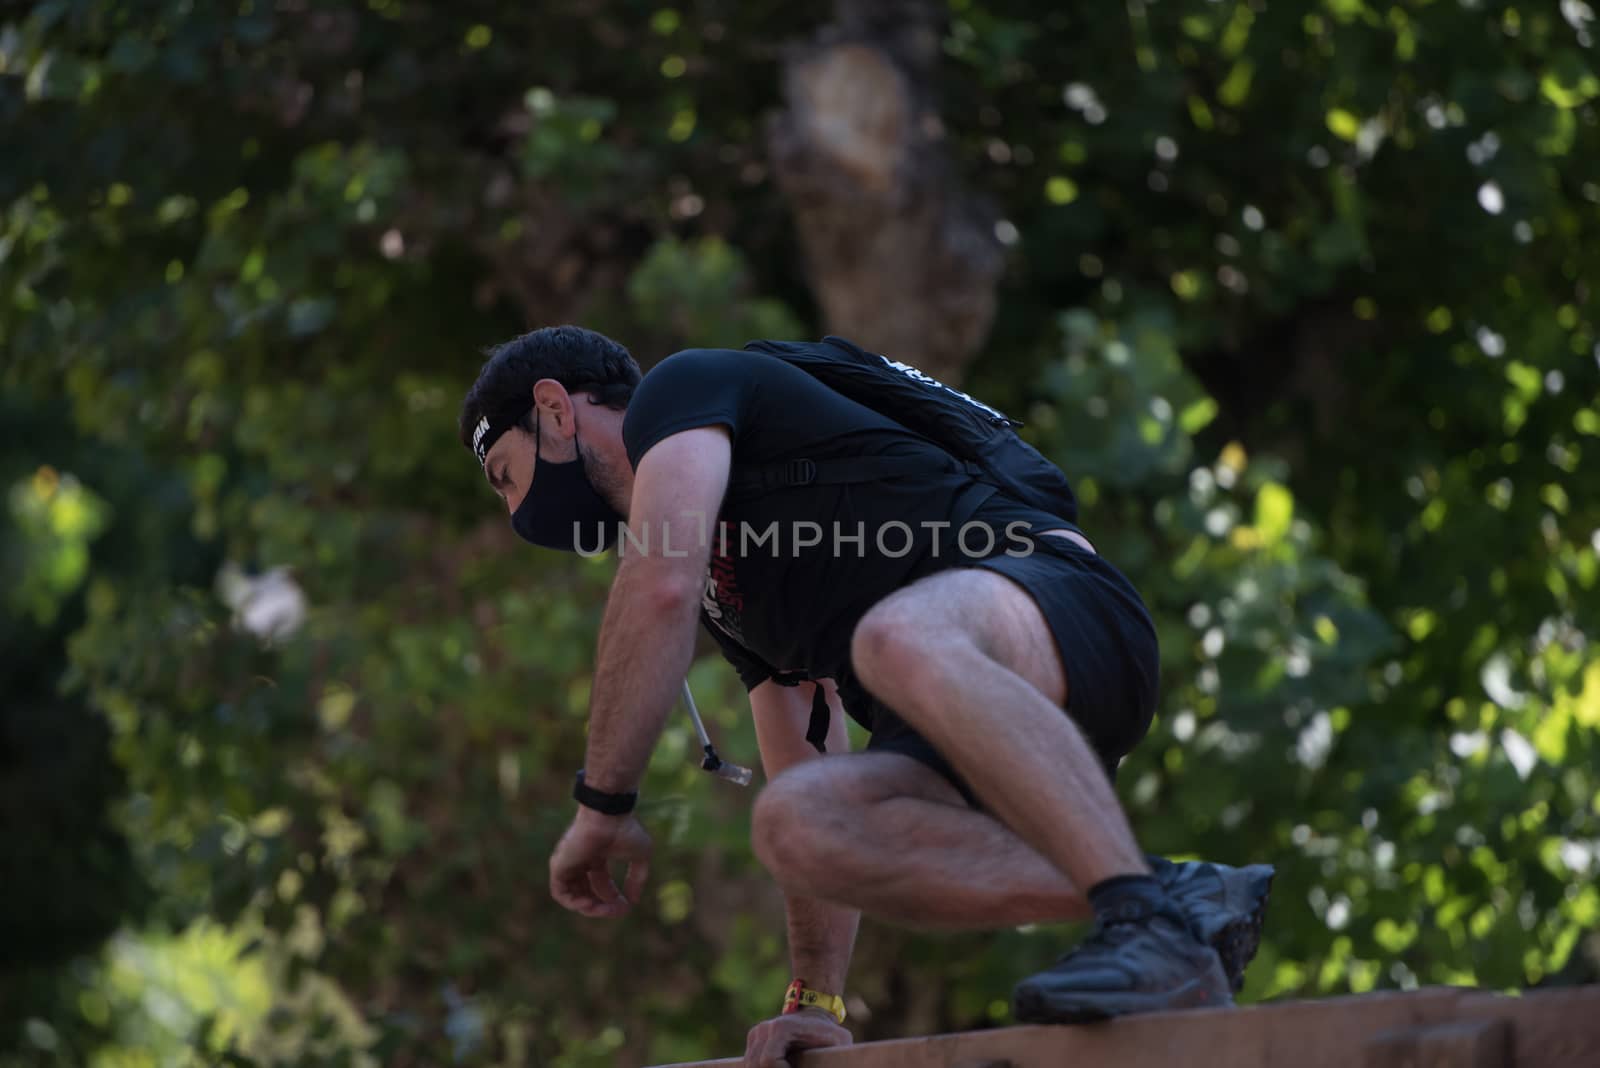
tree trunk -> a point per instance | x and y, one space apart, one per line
901 258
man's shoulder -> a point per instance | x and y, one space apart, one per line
700 364
690 388
689 362
688 374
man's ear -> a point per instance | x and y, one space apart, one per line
554 405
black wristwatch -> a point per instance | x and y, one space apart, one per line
600 801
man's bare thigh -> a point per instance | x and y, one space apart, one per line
867 777
988 609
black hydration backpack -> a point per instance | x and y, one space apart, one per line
982 439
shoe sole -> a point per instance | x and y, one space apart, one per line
1237 940
1031 1006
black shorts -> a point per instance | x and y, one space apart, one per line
1107 643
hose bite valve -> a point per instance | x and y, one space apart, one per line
734 773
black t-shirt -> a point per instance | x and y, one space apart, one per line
778 607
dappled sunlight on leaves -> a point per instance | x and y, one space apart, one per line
1300 296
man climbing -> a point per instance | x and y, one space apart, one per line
847 565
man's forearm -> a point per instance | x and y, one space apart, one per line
821 937
646 646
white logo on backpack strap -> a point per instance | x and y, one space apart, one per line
929 380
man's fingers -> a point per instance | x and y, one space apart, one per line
559 888
598 897
578 892
638 872
604 887
773 1056
753 1045
580 876
570 893
820 1032
588 893
755 1054
770 1044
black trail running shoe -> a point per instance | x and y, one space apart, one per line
1225 905
1147 965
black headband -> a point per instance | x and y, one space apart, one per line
486 433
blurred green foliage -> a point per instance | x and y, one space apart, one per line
1301 295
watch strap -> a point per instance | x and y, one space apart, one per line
600 801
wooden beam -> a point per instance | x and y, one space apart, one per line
1439 1027
1480 1043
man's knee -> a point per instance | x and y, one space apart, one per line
795 823
899 652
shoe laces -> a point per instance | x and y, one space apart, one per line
1106 936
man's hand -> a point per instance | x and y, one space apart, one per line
771 1041
580 867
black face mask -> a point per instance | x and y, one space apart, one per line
562 510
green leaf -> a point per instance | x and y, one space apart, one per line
1569 83
1196 416
1343 124
1235 88
1274 511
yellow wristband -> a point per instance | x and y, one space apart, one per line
799 997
